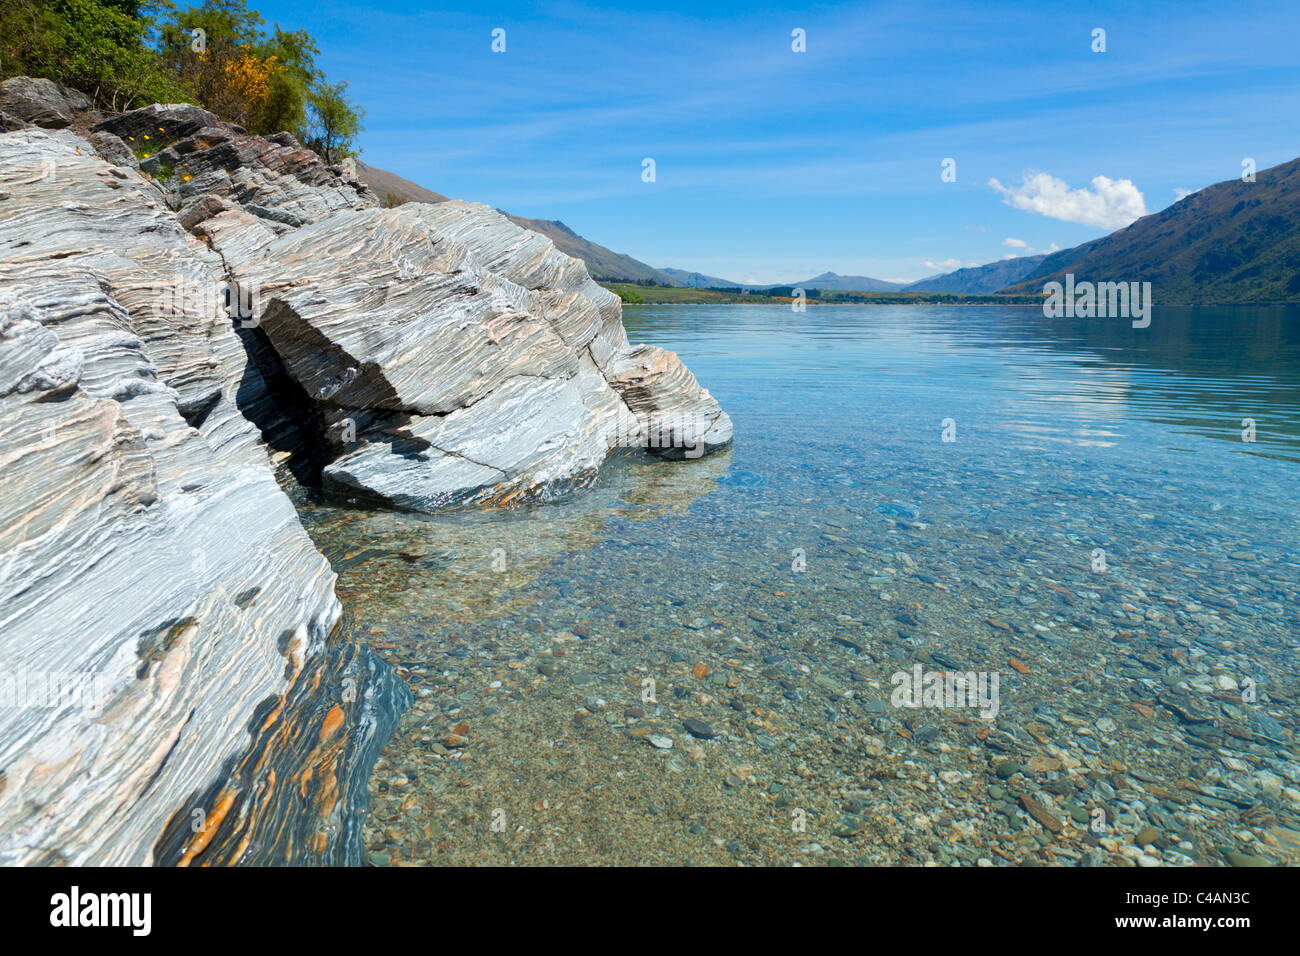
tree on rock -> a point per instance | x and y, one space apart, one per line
333 123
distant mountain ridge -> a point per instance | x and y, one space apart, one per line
1229 242
827 280
831 280
698 280
392 189
602 263
983 280
1233 242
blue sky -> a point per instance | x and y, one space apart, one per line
773 165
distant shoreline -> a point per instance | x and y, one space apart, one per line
776 304
634 294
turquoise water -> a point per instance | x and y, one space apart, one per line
1066 506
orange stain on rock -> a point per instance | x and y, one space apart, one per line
210 823
333 723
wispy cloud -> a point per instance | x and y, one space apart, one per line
1023 248
947 265
1109 204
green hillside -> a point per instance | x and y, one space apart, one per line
1233 242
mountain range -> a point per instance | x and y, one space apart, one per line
980 280
601 262
830 280
698 280
827 280
1233 241
392 189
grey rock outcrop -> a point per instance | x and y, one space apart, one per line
457 358
448 355
112 149
680 419
41 102
155 583
196 157
168 327
451 356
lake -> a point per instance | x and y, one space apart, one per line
713 661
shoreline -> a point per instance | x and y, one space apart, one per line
632 294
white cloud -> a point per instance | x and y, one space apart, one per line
1025 249
1180 193
1110 203
947 265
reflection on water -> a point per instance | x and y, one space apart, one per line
474 566
682 663
1200 371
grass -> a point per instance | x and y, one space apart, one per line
162 171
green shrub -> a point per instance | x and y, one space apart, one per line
129 53
96 46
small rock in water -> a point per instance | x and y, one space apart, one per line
1041 814
660 741
698 728
925 734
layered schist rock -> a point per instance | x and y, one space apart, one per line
40 102
156 585
454 357
162 322
274 178
448 355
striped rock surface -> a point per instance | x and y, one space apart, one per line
156 585
454 357
163 324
